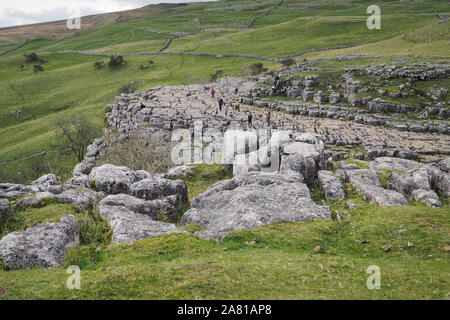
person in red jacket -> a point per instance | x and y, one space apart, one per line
213 92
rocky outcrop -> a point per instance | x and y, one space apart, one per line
151 208
129 226
112 179
178 171
250 201
429 197
303 158
43 245
156 188
444 165
416 184
80 197
390 163
409 181
368 185
331 185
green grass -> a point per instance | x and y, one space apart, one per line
280 264
203 177
360 164
19 221
69 84
277 261
272 262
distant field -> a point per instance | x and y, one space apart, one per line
70 84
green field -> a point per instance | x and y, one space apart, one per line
273 262
409 244
70 84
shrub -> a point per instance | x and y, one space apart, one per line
129 87
288 62
141 151
76 132
214 76
38 68
116 61
93 229
32 57
257 68
99 64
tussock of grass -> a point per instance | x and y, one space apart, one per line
359 163
204 177
275 261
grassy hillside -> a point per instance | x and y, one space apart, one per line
70 84
409 244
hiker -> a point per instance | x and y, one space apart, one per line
236 91
220 104
268 118
250 119
277 77
213 93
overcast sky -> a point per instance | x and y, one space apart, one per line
18 12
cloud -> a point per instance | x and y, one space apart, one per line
19 12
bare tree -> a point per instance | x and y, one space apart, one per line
141 151
77 132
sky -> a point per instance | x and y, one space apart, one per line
19 12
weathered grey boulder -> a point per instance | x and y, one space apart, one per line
444 165
179 171
390 163
26 202
150 208
112 179
80 181
129 226
429 197
43 245
80 197
142 174
81 169
49 179
344 165
5 208
409 181
303 158
362 176
331 185
441 180
368 185
48 182
157 188
385 152
250 201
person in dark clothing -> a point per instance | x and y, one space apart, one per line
277 77
236 91
220 104
250 119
